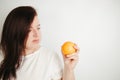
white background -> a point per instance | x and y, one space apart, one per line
93 24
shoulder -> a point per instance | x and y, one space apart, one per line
53 56
44 49
55 64
48 52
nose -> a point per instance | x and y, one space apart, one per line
35 33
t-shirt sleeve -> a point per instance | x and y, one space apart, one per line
56 67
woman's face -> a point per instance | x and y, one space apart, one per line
34 35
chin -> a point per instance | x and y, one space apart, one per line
36 46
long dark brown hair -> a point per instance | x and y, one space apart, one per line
13 39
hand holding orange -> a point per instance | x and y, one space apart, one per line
68 48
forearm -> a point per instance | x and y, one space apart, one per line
68 74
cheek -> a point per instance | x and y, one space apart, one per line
29 41
40 36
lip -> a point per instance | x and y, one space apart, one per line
36 41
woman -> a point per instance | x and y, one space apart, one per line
23 58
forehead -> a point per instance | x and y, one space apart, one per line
35 22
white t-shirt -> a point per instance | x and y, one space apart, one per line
40 65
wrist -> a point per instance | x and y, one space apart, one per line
68 68
68 74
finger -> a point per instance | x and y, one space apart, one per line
77 48
75 57
73 54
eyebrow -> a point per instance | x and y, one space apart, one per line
36 25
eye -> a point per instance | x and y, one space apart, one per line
38 28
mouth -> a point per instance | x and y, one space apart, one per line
36 41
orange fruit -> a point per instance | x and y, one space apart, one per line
68 48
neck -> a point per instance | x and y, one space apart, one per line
30 50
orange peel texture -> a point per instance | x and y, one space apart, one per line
68 48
